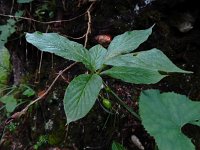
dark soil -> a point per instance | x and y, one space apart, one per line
111 17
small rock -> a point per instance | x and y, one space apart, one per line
137 142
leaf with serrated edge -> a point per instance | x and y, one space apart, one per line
164 114
97 55
196 122
81 95
134 75
127 42
59 45
153 59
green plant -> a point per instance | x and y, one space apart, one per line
43 139
8 96
10 103
7 93
117 146
12 127
5 65
145 67
8 29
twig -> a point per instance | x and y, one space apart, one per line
22 112
37 77
40 63
13 1
43 22
88 24
76 38
88 27
2 135
63 3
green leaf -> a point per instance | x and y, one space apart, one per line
11 22
59 45
29 92
10 102
164 114
24 1
117 146
8 29
5 66
153 59
19 14
127 42
97 55
81 95
134 75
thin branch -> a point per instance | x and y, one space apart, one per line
43 22
11 10
88 27
75 38
22 112
88 24
41 58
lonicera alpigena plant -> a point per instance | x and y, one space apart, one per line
145 67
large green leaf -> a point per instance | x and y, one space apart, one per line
163 115
134 75
127 42
153 59
81 95
59 45
97 55
117 146
5 66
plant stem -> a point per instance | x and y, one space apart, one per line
122 103
125 106
3 132
2 107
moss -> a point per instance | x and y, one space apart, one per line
57 136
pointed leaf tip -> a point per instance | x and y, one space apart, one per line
154 60
127 42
